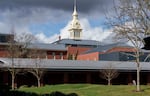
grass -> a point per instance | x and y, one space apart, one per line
91 90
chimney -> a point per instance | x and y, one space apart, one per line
59 37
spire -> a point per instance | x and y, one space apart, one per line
75 28
75 8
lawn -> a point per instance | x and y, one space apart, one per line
91 90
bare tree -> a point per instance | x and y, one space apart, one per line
17 48
147 4
37 71
109 73
132 24
13 53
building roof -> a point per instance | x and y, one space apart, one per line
78 42
104 48
5 34
58 65
57 47
44 46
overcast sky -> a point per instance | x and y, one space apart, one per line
47 19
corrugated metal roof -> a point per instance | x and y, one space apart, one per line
78 42
104 48
44 46
47 46
72 64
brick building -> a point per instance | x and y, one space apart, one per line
72 60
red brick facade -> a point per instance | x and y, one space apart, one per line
91 56
120 49
94 56
76 50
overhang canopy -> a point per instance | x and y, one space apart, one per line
50 64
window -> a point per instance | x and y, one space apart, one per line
3 39
53 54
71 34
77 34
61 56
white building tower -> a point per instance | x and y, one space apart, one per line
75 28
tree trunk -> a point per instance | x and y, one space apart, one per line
39 83
13 80
138 72
109 82
138 77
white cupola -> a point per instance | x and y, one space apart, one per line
75 27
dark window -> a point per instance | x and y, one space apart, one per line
3 39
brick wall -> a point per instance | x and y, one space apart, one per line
120 49
91 56
79 50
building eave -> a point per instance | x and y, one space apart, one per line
51 64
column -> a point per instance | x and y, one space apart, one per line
88 77
41 81
66 77
5 78
148 78
129 78
15 83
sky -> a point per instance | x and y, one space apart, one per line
49 19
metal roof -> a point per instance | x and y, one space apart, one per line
104 48
44 46
72 64
78 42
60 47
